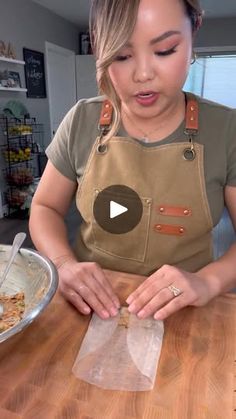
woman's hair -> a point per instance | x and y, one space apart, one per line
111 25
195 12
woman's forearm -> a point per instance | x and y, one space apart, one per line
49 234
221 274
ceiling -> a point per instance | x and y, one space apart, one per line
77 11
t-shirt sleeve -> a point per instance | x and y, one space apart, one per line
231 151
58 151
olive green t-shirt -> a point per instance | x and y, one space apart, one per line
71 146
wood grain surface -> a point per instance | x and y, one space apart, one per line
195 377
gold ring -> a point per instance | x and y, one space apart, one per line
174 290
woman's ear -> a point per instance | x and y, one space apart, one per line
198 23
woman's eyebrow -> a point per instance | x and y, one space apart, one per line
164 36
157 39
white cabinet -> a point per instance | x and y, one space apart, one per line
86 76
8 62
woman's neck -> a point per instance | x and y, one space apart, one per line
158 127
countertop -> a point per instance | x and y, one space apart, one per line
195 376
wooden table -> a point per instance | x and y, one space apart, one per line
195 378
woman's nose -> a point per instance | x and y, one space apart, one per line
143 71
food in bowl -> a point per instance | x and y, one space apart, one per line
13 309
33 275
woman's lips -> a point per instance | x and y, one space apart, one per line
146 98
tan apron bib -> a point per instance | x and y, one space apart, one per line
176 224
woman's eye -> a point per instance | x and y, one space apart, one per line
122 57
167 52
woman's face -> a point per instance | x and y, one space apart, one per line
149 72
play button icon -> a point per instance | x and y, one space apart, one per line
118 209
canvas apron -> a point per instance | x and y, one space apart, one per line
176 224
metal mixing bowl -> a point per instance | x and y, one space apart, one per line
32 274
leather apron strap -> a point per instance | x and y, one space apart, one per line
106 116
191 125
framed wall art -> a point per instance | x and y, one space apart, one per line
34 73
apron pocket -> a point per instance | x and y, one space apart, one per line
131 245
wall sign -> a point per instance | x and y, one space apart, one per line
34 73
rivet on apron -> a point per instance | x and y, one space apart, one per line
101 148
148 201
189 154
186 212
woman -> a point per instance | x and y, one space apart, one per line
172 151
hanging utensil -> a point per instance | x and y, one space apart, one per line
17 242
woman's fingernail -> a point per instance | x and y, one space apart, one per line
129 300
131 308
87 310
141 314
105 314
114 311
117 303
157 316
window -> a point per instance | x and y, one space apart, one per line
213 77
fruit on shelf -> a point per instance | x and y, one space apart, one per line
22 176
14 155
20 130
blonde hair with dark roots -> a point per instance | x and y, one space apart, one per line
111 25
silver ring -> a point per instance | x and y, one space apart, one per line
174 290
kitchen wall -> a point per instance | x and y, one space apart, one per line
27 24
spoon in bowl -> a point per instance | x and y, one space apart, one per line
17 242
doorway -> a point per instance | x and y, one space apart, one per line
61 78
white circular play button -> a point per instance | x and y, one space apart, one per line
118 209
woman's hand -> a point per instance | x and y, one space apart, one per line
86 287
168 290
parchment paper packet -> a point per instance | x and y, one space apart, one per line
120 353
